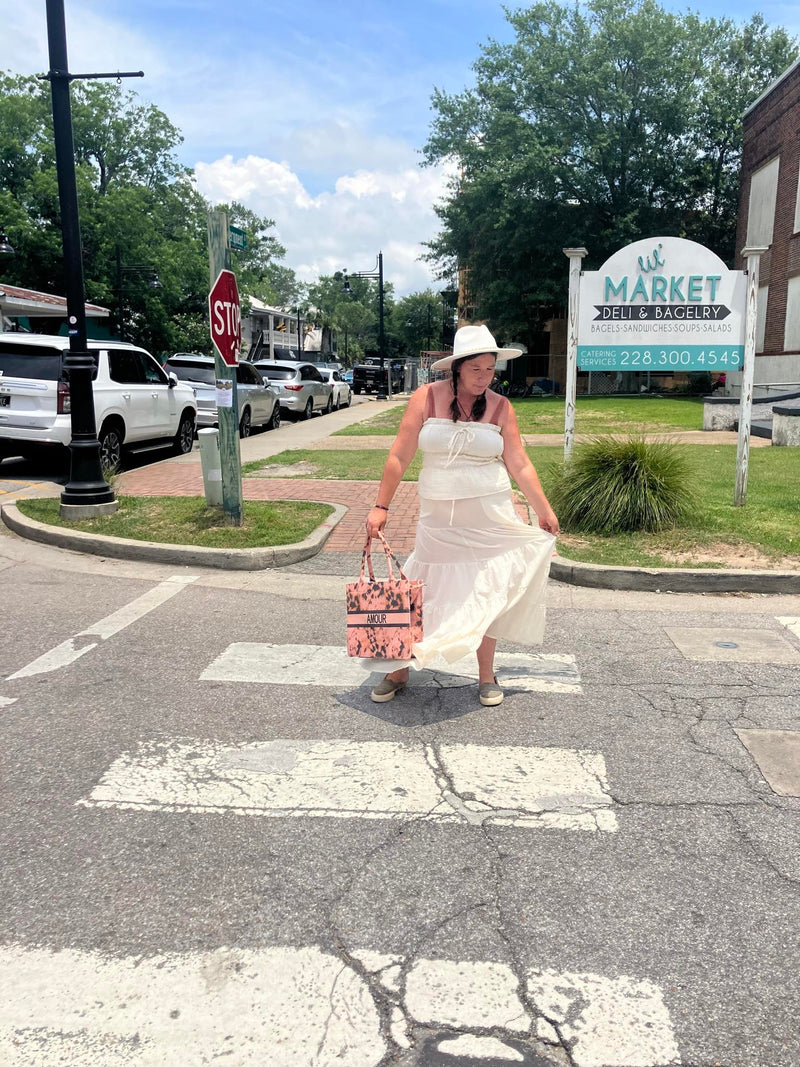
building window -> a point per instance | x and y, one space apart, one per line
791 338
797 205
761 206
761 316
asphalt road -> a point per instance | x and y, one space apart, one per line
217 849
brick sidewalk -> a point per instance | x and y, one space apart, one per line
186 479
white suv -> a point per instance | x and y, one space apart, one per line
136 404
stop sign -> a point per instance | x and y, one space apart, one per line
226 319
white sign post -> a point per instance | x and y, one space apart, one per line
753 257
575 255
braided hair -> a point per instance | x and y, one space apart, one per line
479 403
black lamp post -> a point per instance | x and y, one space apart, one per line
153 283
87 492
376 272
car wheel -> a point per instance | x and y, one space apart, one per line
110 438
184 438
337 403
244 423
275 422
329 405
357 391
308 410
349 398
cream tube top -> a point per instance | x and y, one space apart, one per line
461 459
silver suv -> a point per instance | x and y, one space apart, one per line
136 404
258 403
300 387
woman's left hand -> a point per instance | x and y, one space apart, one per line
548 522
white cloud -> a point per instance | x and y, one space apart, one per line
367 211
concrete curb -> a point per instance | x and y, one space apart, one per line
242 559
673 579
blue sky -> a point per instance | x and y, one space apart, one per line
311 113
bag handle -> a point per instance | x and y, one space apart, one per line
366 560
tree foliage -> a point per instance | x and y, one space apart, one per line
596 125
135 200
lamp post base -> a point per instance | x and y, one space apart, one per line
76 512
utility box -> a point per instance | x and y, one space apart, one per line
212 467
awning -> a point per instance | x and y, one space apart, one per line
16 302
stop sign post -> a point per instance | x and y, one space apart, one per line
226 334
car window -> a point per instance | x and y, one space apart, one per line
245 375
192 372
124 367
151 371
25 361
277 374
311 373
335 375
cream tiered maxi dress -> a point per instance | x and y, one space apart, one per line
485 570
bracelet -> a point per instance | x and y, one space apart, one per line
381 506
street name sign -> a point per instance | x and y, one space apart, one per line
237 238
225 317
662 304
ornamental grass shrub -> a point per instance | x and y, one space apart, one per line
617 484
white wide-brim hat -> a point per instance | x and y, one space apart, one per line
474 341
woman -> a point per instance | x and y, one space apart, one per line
485 571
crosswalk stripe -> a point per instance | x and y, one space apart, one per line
73 648
544 788
272 664
305 1007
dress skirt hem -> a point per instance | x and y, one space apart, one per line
485 573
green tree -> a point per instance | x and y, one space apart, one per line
417 322
597 125
136 202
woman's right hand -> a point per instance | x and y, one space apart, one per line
376 520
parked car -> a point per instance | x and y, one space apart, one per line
300 387
367 376
342 393
137 405
348 376
258 403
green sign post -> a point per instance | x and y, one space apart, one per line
219 258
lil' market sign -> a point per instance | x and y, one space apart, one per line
662 304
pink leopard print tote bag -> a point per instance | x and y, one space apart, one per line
384 619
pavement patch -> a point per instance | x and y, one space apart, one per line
708 644
777 753
305 1007
537 788
791 622
269 664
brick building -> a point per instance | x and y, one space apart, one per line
769 215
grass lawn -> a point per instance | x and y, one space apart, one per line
360 465
182 520
593 414
764 532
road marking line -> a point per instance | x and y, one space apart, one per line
299 1007
540 788
68 651
791 622
268 664
5 701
